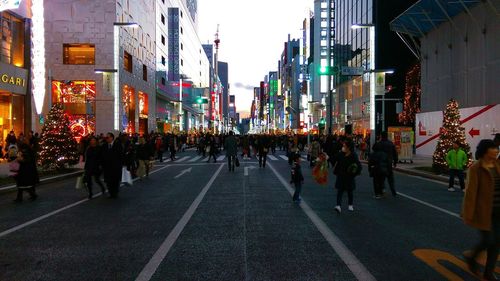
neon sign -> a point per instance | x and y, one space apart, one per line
9 4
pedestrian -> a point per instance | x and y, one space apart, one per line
212 150
159 148
172 143
392 155
314 151
457 162
481 206
27 175
144 156
263 148
112 163
346 167
231 146
378 167
92 168
297 179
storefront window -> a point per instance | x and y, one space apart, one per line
11 114
11 40
143 113
78 99
128 101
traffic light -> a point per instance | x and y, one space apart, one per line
324 70
322 121
199 100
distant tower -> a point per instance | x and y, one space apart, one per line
216 66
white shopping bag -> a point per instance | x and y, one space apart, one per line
126 176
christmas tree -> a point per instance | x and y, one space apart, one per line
451 131
413 91
58 147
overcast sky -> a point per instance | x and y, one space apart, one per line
252 34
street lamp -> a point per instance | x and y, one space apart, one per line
116 51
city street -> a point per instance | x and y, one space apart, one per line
192 220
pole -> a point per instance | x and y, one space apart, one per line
383 114
329 64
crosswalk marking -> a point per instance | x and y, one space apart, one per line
183 159
221 158
284 157
206 159
272 157
195 159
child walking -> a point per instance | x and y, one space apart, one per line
297 178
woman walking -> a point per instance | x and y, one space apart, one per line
481 206
27 176
346 167
93 166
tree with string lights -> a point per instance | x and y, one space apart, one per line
413 91
451 131
58 147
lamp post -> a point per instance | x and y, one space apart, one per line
116 50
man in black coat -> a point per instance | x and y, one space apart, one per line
389 149
112 163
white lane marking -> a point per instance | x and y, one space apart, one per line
220 158
272 157
356 267
42 180
206 159
284 157
149 270
21 226
183 172
249 168
182 159
422 178
430 205
195 159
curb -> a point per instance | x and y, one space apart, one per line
5 189
440 178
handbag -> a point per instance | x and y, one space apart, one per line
126 176
80 182
207 149
13 168
236 162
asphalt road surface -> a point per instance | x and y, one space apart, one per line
192 220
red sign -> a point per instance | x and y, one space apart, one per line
473 132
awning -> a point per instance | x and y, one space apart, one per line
426 15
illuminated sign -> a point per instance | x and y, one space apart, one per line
9 4
13 79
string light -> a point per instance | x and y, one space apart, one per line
413 92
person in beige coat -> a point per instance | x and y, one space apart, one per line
481 206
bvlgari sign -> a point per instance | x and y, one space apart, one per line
13 79
9 4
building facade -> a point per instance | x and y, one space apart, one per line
16 99
100 60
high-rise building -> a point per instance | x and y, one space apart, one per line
224 79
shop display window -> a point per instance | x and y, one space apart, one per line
78 99
79 54
128 102
11 114
143 113
127 61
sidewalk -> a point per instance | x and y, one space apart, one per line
420 161
4 172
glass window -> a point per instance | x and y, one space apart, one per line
163 60
162 19
144 72
79 54
11 40
127 61
163 40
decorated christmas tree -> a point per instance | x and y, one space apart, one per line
58 147
413 91
450 132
